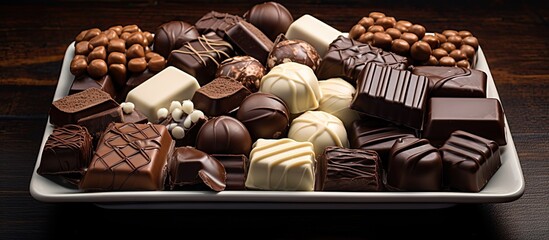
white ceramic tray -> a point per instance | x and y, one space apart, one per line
505 186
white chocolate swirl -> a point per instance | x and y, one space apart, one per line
337 95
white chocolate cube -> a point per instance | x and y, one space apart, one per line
317 33
170 84
281 164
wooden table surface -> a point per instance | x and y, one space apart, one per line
514 37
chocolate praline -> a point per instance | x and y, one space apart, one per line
172 35
224 134
244 69
294 50
264 115
270 17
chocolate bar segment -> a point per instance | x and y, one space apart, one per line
216 22
453 81
250 41
394 95
84 82
343 169
414 165
97 123
469 161
480 116
201 58
66 154
377 135
71 108
130 157
346 58
190 168
236 168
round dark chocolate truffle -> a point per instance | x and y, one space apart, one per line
270 17
224 135
244 69
264 115
294 50
172 35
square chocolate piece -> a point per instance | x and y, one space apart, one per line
469 161
130 157
83 82
453 81
200 58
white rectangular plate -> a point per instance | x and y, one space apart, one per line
505 186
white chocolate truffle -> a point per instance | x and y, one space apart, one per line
337 95
310 29
296 84
319 128
281 164
170 84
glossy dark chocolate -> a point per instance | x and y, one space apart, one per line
272 18
344 169
220 96
244 69
294 50
84 82
264 115
172 35
395 95
216 22
377 135
190 167
453 81
66 154
71 108
414 165
97 123
224 135
346 58
130 157
480 116
201 58
469 161
236 168
250 41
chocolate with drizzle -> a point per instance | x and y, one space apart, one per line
216 22
454 81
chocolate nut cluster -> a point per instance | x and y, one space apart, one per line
449 48
117 51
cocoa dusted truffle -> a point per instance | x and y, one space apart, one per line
244 69
264 115
172 35
294 50
224 135
271 18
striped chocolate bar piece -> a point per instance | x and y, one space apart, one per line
394 95
469 161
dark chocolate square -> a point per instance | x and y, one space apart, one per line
454 81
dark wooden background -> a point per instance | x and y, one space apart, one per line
33 38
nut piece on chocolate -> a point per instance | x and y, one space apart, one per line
244 69
469 161
344 169
220 96
66 154
190 168
264 115
71 108
130 157
172 35
414 165
295 50
271 18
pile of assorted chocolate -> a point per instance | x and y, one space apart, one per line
265 102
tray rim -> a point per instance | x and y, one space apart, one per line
42 190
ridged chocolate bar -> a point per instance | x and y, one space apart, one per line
394 95
344 169
346 58
469 161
